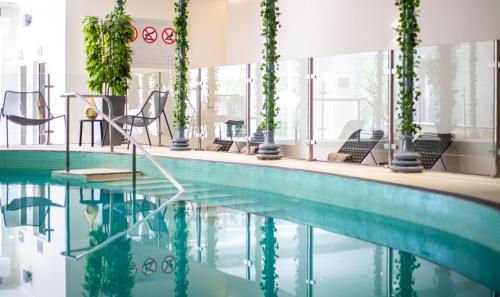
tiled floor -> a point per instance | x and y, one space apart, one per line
478 187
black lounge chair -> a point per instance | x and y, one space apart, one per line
431 147
142 119
14 110
233 129
359 147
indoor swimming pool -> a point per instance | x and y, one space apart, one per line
235 233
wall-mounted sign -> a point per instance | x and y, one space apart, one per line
149 266
149 34
149 51
136 34
168 35
168 264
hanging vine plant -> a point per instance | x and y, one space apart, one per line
181 250
405 282
270 247
181 64
406 160
108 51
408 40
270 12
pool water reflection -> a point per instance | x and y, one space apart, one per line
219 241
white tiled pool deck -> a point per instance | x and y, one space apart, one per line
481 188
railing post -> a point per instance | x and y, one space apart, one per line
198 233
48 86
198 107
248 104
159 119
389 271
310 109
134 169
248 243
67 211
310 257
496 128
390 136
67 134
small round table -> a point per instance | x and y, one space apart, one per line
92 122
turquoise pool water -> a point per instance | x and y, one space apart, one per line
239 231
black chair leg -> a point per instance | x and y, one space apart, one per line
442 162
373 157
168 126
105 133
92 134
131 128
100 128
147 133
81 130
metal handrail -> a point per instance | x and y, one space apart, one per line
109 120
123 233
166 174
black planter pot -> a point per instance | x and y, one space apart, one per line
406 160
180 143
269 150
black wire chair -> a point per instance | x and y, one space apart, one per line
14 110
143 118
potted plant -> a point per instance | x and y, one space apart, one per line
407 160
109 55
181 143
269 150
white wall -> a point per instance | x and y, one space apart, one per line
316 28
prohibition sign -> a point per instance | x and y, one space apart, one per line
168 36
168 264
133 269
149 267
149 34
135 33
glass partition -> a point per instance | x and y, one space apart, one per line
352 267
350 102
455 109
223 107
291 132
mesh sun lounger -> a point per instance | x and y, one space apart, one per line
431 147
14 110
359 147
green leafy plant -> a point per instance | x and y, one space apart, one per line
108 51
270 13
181 64
404 282
408 40
181 249
270 246
107 271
